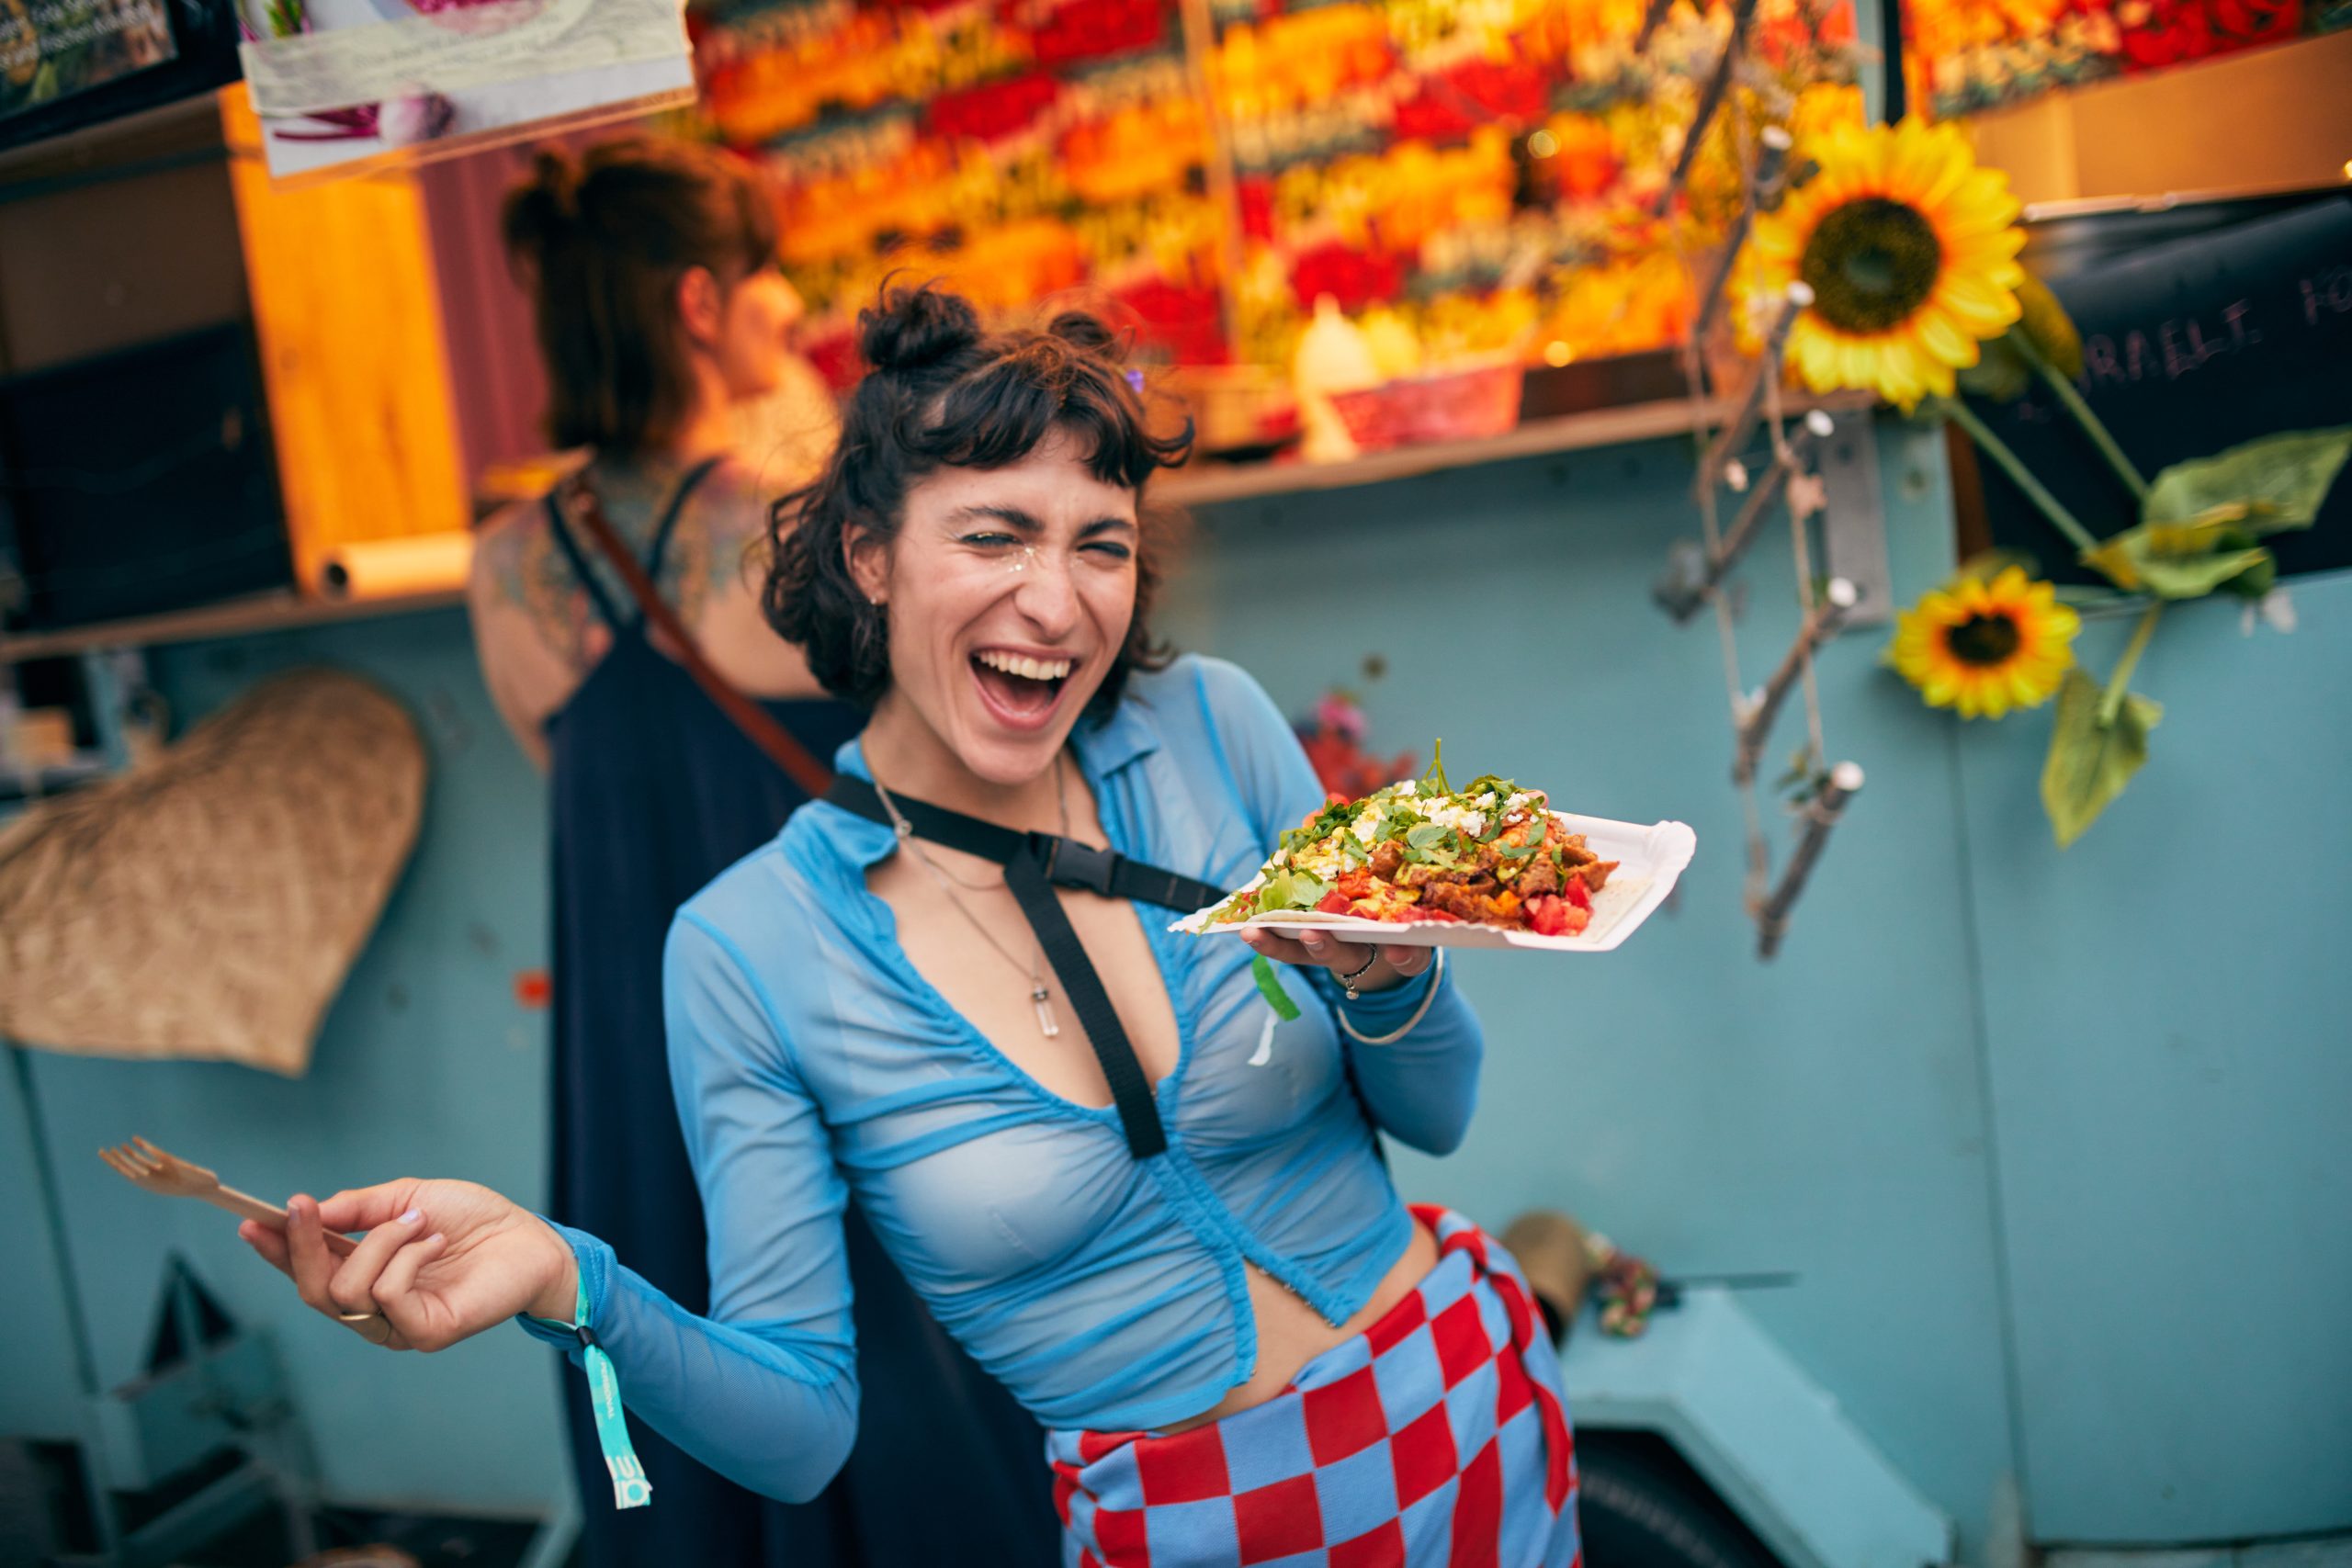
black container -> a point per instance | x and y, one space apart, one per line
1585 385
141 481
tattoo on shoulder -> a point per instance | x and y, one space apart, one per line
528 573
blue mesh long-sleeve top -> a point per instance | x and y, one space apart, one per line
810 1060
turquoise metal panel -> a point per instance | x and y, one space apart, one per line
425 1066
41 1394
2169 1005
1771 1442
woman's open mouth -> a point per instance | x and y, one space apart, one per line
1020 691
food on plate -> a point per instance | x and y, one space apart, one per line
1490 854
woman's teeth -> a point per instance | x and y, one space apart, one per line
1028 669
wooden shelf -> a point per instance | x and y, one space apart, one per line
1212 484
279 611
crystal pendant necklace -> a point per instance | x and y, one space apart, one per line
1048 1024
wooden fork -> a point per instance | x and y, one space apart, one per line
146 1166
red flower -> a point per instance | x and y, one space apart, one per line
1256 195
996 110
1354 278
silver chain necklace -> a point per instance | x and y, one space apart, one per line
1047 1023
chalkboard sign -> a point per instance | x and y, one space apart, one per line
2190 346
65 64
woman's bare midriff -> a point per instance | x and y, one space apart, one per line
1290 1333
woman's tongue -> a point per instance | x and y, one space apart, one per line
1016 696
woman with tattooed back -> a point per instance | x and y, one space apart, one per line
661 313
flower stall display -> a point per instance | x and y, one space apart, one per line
1496 178
1963 56
1012 151
1489 181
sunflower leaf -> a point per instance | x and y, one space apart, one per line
2184 560
2279 481
2089 762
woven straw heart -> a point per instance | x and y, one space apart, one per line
209 904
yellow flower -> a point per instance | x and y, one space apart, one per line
1985 648
1910 250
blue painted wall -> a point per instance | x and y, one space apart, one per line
1987 1096
426 1064
2169 1013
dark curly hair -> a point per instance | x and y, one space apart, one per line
939 393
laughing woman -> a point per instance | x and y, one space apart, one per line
1157 1215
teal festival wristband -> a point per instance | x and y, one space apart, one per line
630 1489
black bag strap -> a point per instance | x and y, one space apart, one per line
1068 863
1035 864
1025 874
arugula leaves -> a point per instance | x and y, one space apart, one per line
1290 890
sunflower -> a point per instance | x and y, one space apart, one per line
1910 250
1987 646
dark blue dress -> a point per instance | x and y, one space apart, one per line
654 793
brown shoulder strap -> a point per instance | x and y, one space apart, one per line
813 777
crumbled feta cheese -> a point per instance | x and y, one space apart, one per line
1367 825
1408 786
1461 819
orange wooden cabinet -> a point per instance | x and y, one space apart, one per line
346 312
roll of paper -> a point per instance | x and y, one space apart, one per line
378 569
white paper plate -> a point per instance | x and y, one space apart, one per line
1649 862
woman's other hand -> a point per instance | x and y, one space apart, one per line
1365 968
441 1262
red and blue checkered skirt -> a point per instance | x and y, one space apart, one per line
1436 1438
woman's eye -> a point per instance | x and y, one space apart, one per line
1110 551
988 541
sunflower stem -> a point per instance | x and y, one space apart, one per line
2119 685
2092 425
1996 449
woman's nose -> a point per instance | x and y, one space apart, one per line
1045 597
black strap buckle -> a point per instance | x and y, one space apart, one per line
1069 863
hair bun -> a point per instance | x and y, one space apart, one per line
542 210
1084 331
916 327
555 173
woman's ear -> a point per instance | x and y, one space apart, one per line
702 305
868 561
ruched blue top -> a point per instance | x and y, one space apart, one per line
809 1059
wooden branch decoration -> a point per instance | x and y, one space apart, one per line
1821 814
1820 623
1733 435
1771 163
1710 99
1651 17
1691 573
